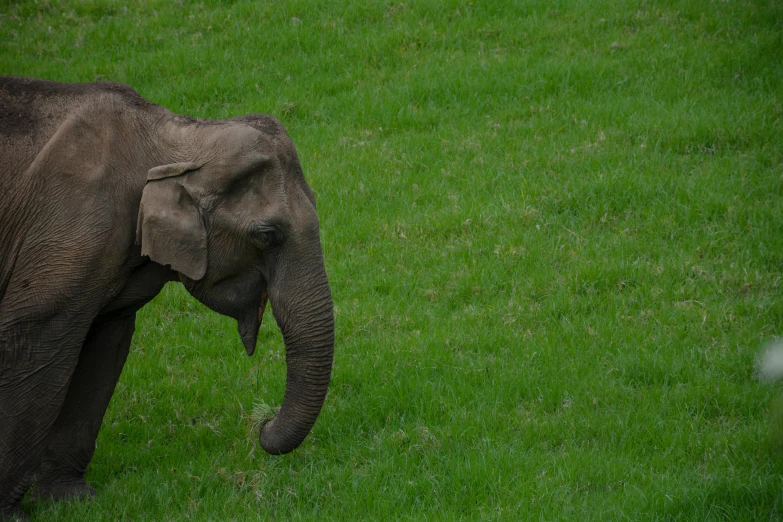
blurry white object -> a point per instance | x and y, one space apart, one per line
770 365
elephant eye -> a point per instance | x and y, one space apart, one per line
267 237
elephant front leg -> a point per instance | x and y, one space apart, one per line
33 382
71 442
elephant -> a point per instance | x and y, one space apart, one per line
104 198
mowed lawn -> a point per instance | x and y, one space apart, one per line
554 235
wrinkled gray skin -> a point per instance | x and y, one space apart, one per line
105 197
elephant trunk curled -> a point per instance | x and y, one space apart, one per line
306 319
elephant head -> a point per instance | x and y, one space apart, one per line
237 221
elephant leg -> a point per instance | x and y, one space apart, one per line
71 441
33 383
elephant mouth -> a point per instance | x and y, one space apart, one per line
262 307
250 323
248 315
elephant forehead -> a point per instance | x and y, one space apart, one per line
228 159
231 146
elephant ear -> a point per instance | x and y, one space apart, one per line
169 228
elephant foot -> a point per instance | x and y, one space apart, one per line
13 515
63 490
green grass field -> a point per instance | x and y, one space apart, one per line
554 234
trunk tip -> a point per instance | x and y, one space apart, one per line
269 437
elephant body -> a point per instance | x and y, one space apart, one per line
106 197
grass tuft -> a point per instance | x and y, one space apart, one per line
260 415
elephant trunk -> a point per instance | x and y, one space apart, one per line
306 319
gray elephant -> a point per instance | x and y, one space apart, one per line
105 197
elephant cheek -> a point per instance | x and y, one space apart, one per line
249 324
